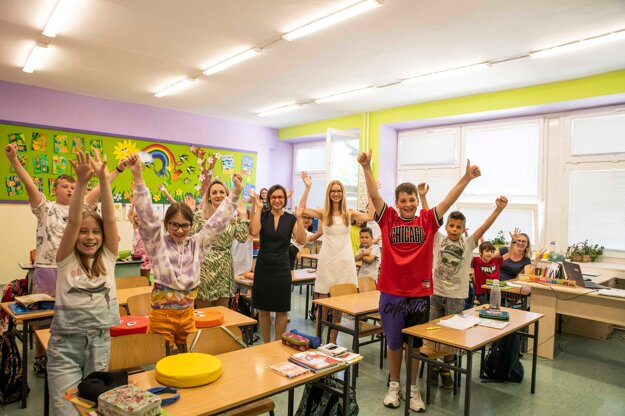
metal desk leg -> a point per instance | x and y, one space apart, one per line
291 400
356 344
534 357
307 295
467 387
25 326
408 376
346 390
46 397
319 319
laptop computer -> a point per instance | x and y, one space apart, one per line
572 271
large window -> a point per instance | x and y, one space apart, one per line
508 154
310 157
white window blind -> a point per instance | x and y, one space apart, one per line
506 222
430 148
598 135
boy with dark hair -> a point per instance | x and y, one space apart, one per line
452 257
485 266
369 254
405 279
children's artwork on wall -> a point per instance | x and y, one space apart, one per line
59 165
22 159
39 142
38 183
227 164
18 139
40 164
247 165
246 190
78 144
60 144
186 170
14 186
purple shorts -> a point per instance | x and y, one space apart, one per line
397 313
44 281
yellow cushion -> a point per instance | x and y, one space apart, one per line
188 370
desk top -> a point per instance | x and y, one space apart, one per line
246 377
26 316
568 292
476 337
298 276
362 303
124 294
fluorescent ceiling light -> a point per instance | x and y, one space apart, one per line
278 110
580 44
58 17
175 87
344 14
342 95
446 72
232 61
34 59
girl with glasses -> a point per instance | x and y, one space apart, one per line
176 256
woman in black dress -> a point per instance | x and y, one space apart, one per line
271 291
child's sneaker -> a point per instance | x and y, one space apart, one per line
416 403
446 380
393 396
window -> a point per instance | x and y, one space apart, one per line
310 157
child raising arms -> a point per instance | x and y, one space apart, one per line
86 300
176 257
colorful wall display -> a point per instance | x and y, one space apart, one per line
183 169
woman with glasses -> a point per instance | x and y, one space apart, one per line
216 273
336 264
271 291
176 256
517 256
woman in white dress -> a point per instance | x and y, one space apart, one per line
336 263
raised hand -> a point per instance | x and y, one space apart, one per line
123 164
237 180
289 193
423 188
82 167
99 166
539 256
161 187
472 171
255 198
306 178
516 234
10 150
241 211
134 164
299 211
501 202
365 158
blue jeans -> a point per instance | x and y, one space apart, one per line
70 359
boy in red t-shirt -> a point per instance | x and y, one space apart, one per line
405 279
485 266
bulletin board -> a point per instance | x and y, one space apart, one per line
183 168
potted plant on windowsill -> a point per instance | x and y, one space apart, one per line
584 252
499 240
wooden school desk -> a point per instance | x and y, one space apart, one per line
246 378
514 293
25 319
312 257
469 340
551 300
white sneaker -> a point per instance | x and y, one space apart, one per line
416 403
393 396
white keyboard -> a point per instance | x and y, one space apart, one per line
617 293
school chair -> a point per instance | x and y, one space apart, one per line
131 281
140 305
136 350
367 284
366 329
298 259
219 340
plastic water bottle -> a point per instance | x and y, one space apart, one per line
495 295
552 251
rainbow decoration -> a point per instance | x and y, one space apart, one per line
166 157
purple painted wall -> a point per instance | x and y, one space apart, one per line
33 105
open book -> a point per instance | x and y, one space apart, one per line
314 360
288 369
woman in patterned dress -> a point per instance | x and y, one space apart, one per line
216 275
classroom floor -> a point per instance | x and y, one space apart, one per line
588 377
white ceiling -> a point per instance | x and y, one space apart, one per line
128 49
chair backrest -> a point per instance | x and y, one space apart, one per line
136 350
343 289
140 305
131 281
214 340
366 284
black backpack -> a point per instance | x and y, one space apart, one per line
317 401
10 369
502 362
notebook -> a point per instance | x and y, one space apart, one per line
572 271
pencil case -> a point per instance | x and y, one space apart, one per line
129 400
313 341
295 341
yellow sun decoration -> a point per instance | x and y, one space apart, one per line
124 149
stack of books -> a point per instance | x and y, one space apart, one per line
311 360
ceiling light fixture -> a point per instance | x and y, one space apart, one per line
278 110
34 58
580 44
176 86
57 18
446 72
250 53
344 14
345 94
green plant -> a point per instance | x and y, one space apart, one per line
500 239
577 251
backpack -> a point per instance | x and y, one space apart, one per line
317 401
17 287
10 369
243 305
502 362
